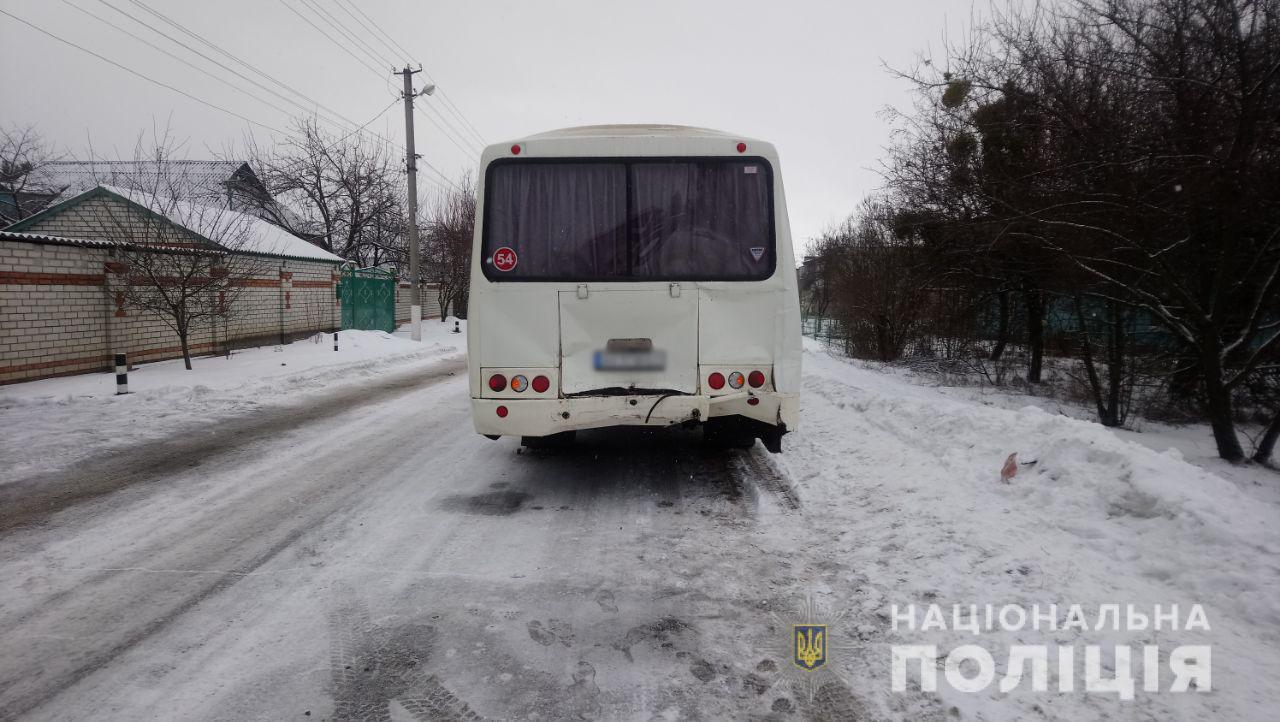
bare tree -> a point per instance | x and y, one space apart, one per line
342 192
22 152
879 289
182 262
1128 150
448 241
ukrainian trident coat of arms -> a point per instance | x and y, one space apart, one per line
810 645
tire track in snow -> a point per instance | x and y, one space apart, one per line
112 612
33 500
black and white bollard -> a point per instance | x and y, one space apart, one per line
456 327
122 375
335 340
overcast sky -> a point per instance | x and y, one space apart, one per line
807 76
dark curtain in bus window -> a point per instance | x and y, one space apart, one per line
565 220
701 219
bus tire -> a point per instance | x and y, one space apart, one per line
723 433
550 441
772 439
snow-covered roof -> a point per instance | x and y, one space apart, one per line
235 230
240 231
55 240
197 180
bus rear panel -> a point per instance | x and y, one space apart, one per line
633 276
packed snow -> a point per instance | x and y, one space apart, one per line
909 479
54 422
632 577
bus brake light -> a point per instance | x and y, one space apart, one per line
541 384
716 380
756 379
497 382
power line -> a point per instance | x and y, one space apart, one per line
329 37
345 32
407 54
214 46
180 59
204 102
267 76
338 23
369 30
442 176
448 102
466 122
366 123
231 56
342 125
147 78
429 166
176 41
468 150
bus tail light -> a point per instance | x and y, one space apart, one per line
756 379
541 384
736 379
497 382
502 412
716 380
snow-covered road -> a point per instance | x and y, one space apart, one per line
367 555
389 559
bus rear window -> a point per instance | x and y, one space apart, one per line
629 220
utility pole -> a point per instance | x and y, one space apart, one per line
411 168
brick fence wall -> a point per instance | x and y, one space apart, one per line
60 315
430 302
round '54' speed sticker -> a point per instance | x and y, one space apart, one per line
504 259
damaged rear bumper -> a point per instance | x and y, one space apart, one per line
543 417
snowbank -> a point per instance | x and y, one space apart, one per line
53 422
1096 519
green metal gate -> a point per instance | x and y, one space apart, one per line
368 298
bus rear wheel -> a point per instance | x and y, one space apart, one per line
727 433
550 441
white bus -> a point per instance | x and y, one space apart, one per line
633 275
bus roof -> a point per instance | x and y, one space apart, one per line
623 140
631 131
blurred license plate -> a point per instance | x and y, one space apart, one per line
631 360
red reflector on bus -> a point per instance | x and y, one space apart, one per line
742 147
515 150
756 379
716 380
753 401
541 384
502 412
497 382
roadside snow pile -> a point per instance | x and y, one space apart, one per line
53 422
1089 518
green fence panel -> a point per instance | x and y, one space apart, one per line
368 298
